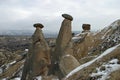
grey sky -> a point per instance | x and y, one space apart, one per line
22 14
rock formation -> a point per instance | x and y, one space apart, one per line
68 63
83 42
97 53
109 37
86 27
38 58
63 47
105 41
82 49
67 16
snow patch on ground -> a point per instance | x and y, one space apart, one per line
1 70
115 24
9 64
105 34
67 55
108 69
39 78
4 79
17 79
76 38
26 50
79 36
12 63
92 61
6 66
55 79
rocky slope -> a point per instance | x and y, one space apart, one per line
97 56
102 61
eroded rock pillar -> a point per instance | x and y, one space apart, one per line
38 58
64 45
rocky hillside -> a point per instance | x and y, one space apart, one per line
102 60
85 56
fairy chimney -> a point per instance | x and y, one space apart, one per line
38 58
86 27
63 44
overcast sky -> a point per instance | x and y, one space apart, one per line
22 14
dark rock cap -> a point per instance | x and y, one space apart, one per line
67 16
86 26
38 25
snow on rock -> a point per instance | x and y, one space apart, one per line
108 69
110 37
105 34
115 24
17 79
39 78
55 79
92 61
19 72
67 55
26 50
4 79
79 37
1 70
6 66
12 63
76 38
114 61
9 64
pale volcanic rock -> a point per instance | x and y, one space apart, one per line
64 43
68 63
64 38
38 57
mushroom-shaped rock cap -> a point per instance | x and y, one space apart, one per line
67 16
86 26
38 25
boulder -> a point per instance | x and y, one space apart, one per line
38 25
68 63
67 16
86 27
